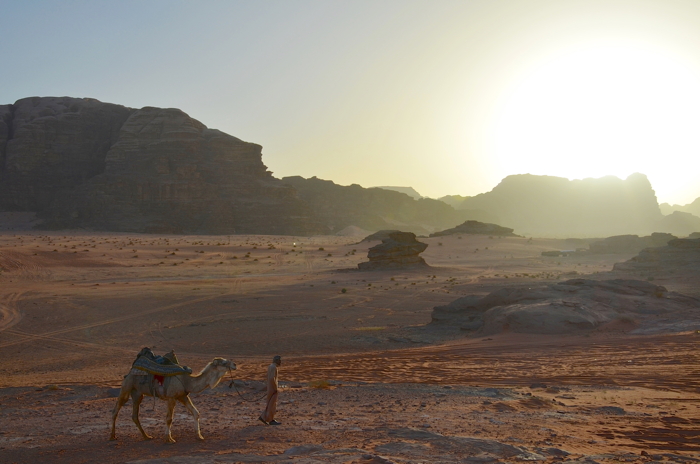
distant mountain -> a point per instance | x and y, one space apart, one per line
410 191
692 208
558 207
337 207
453 200
679 223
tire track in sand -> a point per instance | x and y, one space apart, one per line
9 314
30 337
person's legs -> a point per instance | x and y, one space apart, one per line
268 414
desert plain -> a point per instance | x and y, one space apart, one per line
365 377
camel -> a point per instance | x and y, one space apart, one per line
175 388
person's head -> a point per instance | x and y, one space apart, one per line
277 360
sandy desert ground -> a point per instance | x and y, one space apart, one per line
365 379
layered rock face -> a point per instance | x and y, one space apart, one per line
477 228
50 145
83 163
399 251
567 307
557 207
337 207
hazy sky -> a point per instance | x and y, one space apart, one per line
448 97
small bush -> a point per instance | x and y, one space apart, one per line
320 384
344 290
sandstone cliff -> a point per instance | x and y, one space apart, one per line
83 163
51 145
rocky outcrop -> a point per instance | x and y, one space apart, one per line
379 236
681 256
337 207
83 163
622 244
567 307
399 251
478 228
557 207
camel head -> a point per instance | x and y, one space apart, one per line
220 366
225 363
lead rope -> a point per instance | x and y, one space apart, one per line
233 383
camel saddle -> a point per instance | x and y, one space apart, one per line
164 366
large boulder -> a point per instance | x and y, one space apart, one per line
399 251
567 307
477 228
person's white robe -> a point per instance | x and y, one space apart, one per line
269 413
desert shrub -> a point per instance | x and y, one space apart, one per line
343 290
320 384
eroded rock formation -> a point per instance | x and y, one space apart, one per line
399 251
51 145
84 163
476 227
567 307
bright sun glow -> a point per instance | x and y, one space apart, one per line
604 109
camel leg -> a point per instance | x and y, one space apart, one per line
123 398
137 397
169 420
195 414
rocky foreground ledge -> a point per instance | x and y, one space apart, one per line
573 306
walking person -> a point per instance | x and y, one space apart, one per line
268 415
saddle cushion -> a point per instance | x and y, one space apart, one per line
166 370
